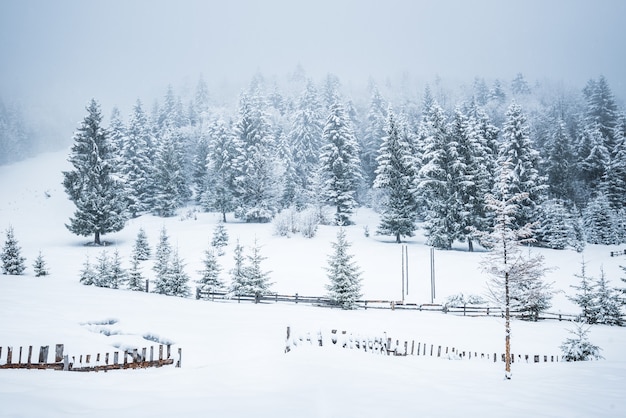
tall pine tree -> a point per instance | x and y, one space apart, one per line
339 164
91 185
396 176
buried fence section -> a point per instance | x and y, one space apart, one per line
396 347
131 359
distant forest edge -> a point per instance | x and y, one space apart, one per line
432 158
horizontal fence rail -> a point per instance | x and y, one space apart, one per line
129 359
465 310
382 344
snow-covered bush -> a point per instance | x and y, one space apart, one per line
460 300
309 222
580 348
291 221
283 223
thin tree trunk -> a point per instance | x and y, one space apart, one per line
470 245
224 216
507 338
96 239
398 240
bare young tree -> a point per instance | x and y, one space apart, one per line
511 269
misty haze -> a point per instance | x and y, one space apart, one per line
254 186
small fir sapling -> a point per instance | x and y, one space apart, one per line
210 280
584 297
344 274
12 260
608 302
220 238
141 247
136 281
580 348
102 270
39 266
118 276
87 274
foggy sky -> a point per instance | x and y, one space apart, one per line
60 53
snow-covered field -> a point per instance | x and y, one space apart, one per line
233 360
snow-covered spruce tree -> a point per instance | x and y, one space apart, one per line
470 173
601 108
560 163
118 276
91 185
441 220
175 282
222 159
12 260
600 223
136 281
171 186
220 238
371 141
580 348
396 176
608 302
305 140
522 162
137 165
88 275
102 270
210 274
117 139
614 180
594 156
510 269
238 272
162 262
556 227
39 266
584 296
339 164
257 280
141 248
343 273
256 180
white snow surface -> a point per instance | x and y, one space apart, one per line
233 359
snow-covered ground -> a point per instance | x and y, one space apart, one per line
233 360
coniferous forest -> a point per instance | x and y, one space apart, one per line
426 158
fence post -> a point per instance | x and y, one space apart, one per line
287 348
296 298
30 354
43 354
66 362
9 355
180 357
147 285
58 356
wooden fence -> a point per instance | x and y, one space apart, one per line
465 310
617 253
130 359
389 346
